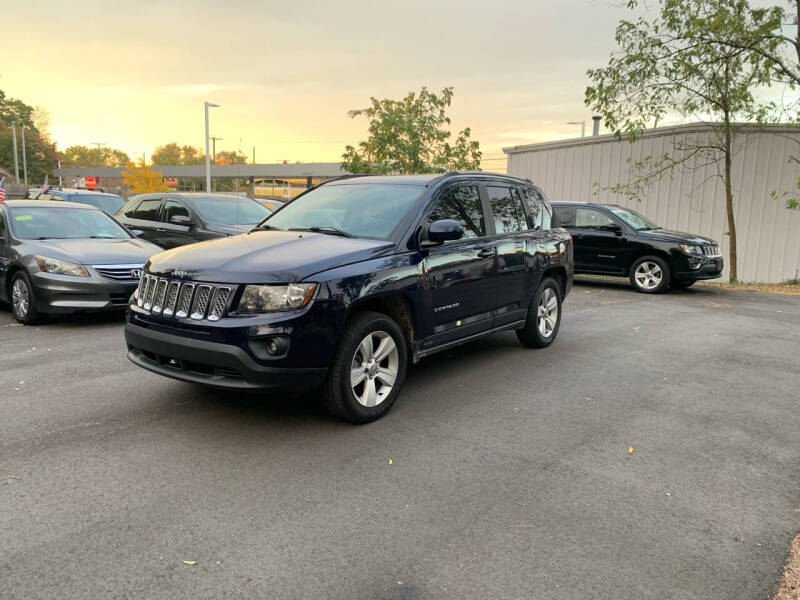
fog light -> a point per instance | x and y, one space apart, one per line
275 346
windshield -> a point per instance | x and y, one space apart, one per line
634 219
108 204
228 210
360 210
64 223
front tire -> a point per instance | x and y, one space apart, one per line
23 302
368 370
650 275
544 316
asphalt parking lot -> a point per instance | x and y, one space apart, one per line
501 473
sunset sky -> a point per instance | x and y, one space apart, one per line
135 75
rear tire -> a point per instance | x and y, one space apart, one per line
544 316
23 301
368 370
650 275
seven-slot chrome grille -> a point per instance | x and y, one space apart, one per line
711 250
170 297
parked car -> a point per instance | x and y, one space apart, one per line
58 257
108 203
271 204
350 281
170 219
612 240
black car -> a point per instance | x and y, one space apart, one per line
173 219
57 257
612 240
351 280
108 203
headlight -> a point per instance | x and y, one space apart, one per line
61 267
689 249
268 298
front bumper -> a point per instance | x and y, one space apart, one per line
711 268
65 294
212 363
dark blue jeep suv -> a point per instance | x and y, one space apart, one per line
346 284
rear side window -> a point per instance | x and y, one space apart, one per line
538 211
147 210
462 204
564 216
507 211
2 225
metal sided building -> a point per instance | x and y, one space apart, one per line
692 198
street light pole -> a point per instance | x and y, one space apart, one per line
24 158
582 124
14 143
208 158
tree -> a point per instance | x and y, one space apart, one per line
142 179
664 69
40 152
174 154
771 36
230 157
83 157
411 136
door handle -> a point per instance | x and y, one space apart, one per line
486 253
160 230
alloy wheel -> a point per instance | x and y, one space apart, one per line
20 300
648 275
374 368
547 312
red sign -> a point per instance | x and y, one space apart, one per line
172 182
90 182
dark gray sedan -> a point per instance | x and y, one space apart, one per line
61 258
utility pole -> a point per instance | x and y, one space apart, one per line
214 148
254 155
208 105
16 160
99 155
24 158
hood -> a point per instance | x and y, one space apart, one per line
265 257
668 235
94 252
229 229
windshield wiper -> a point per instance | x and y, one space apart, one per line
49 237
648 228
266 228
324 229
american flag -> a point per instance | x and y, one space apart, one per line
45 187
3 189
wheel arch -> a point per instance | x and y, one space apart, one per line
397 306
559 274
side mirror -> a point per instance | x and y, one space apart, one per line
445 230
181 220
615 227
137 232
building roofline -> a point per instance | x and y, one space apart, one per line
649 133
